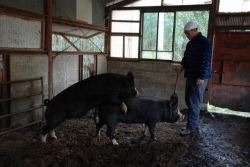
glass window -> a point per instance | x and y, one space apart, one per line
131 47
59 43
125 27
88 60
231 6
162 36
126 15
165 31
201 17
149 31
157 35
116 46
145 3
124 40
185 2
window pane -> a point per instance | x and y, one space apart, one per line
126 15
165 31
125 27
185 2
234 6
94 44
131 47
201 17
164 55
148 55
149 31
145 3
116 46
87 61
60 44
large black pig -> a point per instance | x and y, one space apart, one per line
144 109
76 100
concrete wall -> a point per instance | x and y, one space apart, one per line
152 78
102 64
27 67
65 72
35 6
91 11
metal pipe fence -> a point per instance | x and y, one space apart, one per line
21 97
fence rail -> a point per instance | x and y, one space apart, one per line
21 97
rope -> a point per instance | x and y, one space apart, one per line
178 72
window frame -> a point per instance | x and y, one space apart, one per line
159 9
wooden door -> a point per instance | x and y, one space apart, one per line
230 83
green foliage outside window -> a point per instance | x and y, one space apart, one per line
94 44
201 17
162 24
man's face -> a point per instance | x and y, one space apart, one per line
190 33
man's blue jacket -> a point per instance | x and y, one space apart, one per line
197 58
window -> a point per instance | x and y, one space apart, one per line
147 34
201 17
157 36
185 2
231 6
61 43
124 38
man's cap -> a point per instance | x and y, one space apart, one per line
191 25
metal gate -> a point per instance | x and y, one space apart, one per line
22 97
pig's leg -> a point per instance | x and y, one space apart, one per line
98 128
145 130
110 132
49 128
151 128
52 134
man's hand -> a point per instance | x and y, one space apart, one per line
199 82
179 67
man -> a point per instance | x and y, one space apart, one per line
197 65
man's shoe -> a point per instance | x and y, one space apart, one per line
183 128
185 132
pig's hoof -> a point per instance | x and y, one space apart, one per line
43 138
114 142
54 137
124 108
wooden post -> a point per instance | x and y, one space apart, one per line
48 44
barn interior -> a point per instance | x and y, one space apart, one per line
46 46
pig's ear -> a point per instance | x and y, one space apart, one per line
130 78
173 100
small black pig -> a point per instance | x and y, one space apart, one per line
144 109
76 100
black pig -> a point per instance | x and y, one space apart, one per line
147 110
76 100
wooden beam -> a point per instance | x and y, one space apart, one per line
77 23
48 44
24 52
120 4
211 22
20 13
72 44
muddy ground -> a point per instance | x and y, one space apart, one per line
220 141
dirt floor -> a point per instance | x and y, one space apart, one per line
220 141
